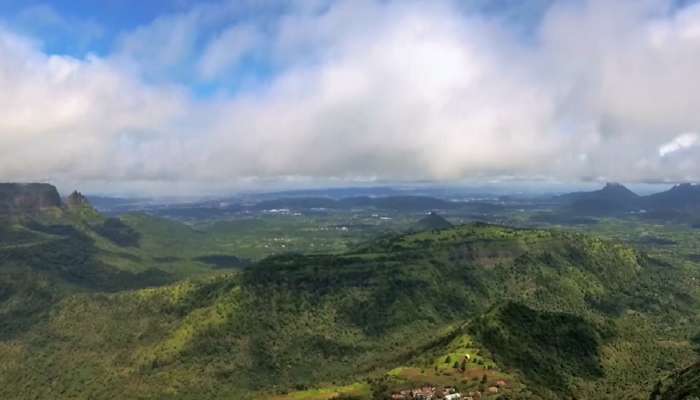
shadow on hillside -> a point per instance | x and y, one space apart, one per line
548 348
35 276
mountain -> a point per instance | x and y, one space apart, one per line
431 221
676 203
680 197
382 316
611 199
27 198
681 385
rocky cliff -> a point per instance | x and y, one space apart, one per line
21 198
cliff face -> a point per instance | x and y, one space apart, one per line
27 197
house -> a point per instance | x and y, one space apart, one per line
427 393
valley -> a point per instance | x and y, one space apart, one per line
340 304
349 200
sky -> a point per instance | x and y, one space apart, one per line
183 97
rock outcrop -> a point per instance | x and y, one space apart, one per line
77 200
27 198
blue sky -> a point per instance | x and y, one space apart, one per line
110 16
79 28
222 94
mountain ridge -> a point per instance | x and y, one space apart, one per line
615 198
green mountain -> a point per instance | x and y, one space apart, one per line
555 314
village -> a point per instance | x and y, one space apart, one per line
429 392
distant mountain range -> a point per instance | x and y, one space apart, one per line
679 202
684 196
615 198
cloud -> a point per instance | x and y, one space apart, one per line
416 91
680 142
61 116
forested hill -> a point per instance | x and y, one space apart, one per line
401 303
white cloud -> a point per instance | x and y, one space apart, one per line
63 116
680 142
416 91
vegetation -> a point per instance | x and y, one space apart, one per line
118 232
323 305
682 385
545 310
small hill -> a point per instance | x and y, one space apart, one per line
611 199
682 385
27 198
431 221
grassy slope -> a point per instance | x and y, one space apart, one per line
294 322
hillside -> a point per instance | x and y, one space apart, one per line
682 385
292 322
